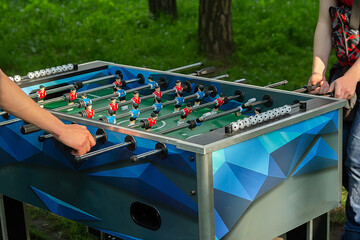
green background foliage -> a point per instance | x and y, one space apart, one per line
273 39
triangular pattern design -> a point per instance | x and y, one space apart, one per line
149 182
320 156
62 208
248 170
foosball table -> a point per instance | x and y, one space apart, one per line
177 156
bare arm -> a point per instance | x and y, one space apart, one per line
16 102
322 47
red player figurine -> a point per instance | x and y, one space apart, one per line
89 111
178 86
41 93
113 106
136 99
72 95
157 92
219 102
118 82
152 121
185 112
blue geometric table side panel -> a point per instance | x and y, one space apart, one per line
245 171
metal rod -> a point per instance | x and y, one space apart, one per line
198 64
204 71
59 89
277 84
243 80
146 154
222 76
100 151
9 121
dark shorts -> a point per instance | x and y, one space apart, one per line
71 101
183 116
122 98
215 107
177 106
132 119
156 112
197 100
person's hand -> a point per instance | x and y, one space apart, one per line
77 137
344 87
318 79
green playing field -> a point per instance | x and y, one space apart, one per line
161 124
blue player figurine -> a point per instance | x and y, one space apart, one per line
179 100
134 113
121 93
152 83
200 94
85 99
157 106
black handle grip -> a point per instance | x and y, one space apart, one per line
29 128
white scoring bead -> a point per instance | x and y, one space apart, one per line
42 73
70 66
282 111
31 75
48 71
276 112
271 114
288 108
17 78
65 68
11 78
265 116
234 126
59 69
253 120
247 122
241 124
37 74
53 70
259 118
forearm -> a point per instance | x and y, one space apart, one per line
322 48
17 103
322 38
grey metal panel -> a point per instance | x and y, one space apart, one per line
205 196
289 205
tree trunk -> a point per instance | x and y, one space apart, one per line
215 28
163 6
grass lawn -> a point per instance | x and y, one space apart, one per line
273 39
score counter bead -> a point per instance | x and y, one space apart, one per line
11 78
259 118
287 108
247 122
265 116
31 75
37 74
42 73
234 126
59 69
276 112
17 78
271 114
53 70
241 124
70 66
48 71
64 68
252 120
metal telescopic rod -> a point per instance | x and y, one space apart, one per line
204 71
198 64
277 84
222 76
59 89
100 151
9 121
